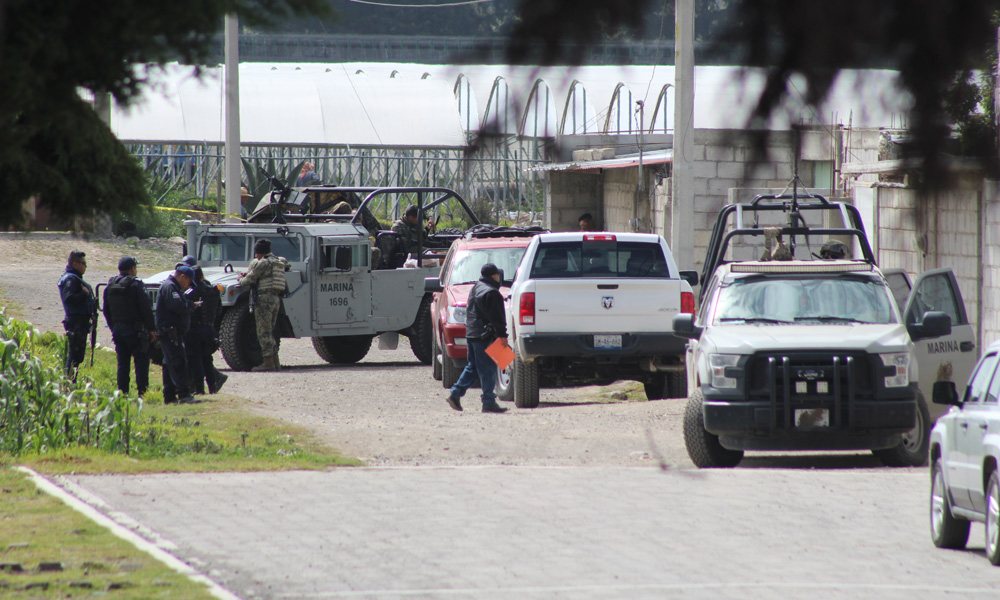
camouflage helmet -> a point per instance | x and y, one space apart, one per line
834 249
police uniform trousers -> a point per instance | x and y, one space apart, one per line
77 329
176 376
198 344
129 348
265 311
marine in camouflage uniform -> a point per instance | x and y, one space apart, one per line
409 231
267 274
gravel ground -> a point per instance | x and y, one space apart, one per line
387 409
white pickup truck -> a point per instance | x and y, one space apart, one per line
591 308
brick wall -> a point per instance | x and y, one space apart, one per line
620 199
990 294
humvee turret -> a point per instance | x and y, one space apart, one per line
337 294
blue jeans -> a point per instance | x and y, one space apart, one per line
479 365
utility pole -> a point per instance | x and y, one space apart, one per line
682 179
233 162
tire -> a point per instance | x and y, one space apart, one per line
505 383
422 338
449 371
437 364
525 384
703 447
947 531
342 349
677 385
912 449
993 519
666 385
238 338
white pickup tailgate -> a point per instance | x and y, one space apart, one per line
605 305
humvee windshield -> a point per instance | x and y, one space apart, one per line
238 248
803 299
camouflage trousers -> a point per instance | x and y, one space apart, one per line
265 311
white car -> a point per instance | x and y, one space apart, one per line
965 452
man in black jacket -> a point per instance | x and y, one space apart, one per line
173 319
484 323
78 302
200 340
129 314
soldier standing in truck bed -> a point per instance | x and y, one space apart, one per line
129 314
410 233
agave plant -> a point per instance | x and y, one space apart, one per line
259 184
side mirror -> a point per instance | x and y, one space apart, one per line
934 324
433 284
691 277
684 327
342 259
945 393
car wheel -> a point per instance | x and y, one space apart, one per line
450 372
993 519
525 384
437 358
703 447
505 383
912 449
947 531
238 338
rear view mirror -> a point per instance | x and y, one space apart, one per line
945 393
684 327
433 284
934 324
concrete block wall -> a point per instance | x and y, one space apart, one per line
990 294
620 198
571 194
723 162
948 229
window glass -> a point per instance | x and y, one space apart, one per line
934 293
805 300
222 248
285 246
993 394
981 380
466 265
599 259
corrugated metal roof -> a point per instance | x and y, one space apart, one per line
655 157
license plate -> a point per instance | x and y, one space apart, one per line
812 417
607 341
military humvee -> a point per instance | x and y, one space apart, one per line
336 295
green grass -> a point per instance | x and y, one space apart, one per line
38 528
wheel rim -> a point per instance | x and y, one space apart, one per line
938 501
993 517
503 377
913 438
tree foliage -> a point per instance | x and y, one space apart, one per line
934 44
52 145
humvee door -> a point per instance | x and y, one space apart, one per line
342 289
948 358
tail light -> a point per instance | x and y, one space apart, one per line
527 309
687 303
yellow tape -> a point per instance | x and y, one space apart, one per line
204 212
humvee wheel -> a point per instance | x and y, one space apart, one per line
703 447
342 349
238 338
422 338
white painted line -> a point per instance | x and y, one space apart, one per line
124 533
624 588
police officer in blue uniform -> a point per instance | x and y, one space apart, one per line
81 311
129 314
200 340
173 319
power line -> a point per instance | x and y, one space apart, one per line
445 5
